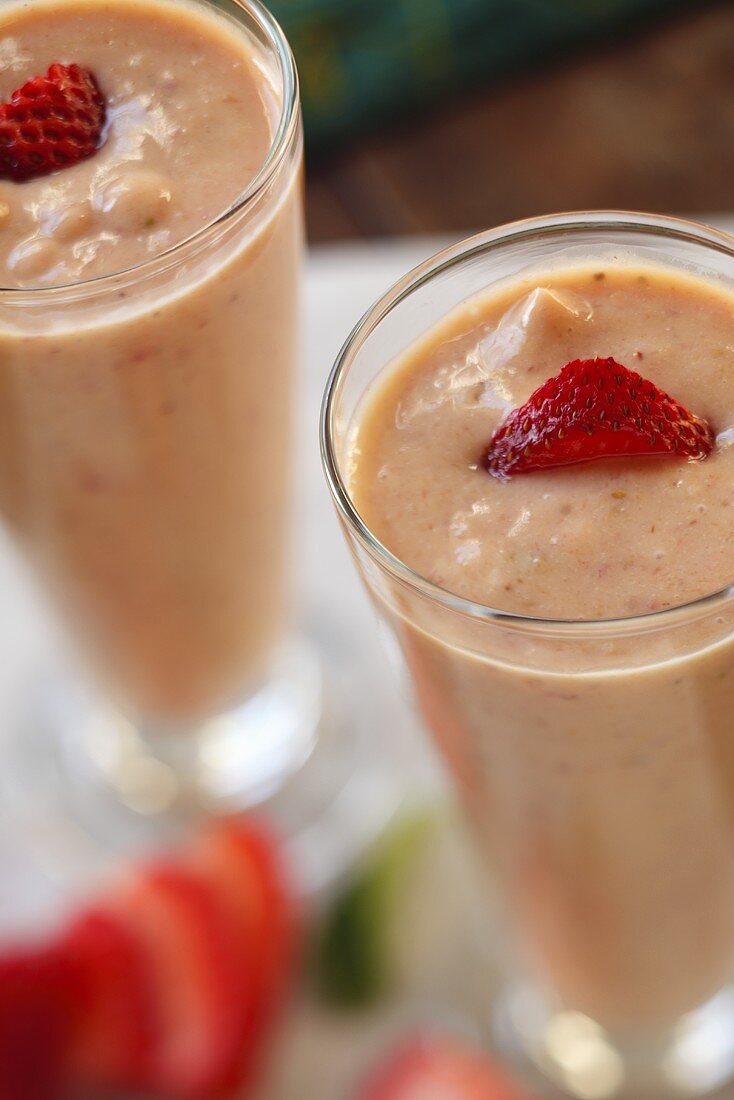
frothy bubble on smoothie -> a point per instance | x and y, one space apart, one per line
488 374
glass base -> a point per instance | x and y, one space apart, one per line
232 761
85 786
585 1060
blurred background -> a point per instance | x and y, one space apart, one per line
445 116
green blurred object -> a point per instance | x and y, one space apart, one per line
353 964
364 61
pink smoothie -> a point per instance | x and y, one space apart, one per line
600 773
145 418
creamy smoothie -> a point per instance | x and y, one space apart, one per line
145 418
600 772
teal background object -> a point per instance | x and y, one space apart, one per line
363 62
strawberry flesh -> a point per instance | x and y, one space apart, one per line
36 1002
169 985
52 122
438 1069
113 1025
199 993
242 863
594 408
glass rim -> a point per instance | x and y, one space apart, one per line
282 140
440 262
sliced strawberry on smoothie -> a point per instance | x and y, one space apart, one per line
113 1030
438 1069
243 865
36 999
594 408
197 990
52 122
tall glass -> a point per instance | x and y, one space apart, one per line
145 454
595 760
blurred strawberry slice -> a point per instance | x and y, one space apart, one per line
113 1030
197 987
35 1010
167 986
243 864
438 1069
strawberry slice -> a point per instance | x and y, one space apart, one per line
113 1029
36 997
595 408
242 863
197 989
168 986
52 122
436 1069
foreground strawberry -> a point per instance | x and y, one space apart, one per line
216 933
51 122
244 868
197 990
36 996
595 408
167 986
113 1033
438 1069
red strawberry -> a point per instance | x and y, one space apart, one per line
113 1029
51 122
595 408
438 1070
243 865
197 988
35 1003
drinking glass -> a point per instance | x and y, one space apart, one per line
594 759
145 473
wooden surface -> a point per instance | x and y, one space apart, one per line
644 123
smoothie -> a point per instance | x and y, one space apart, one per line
145 410
598 770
